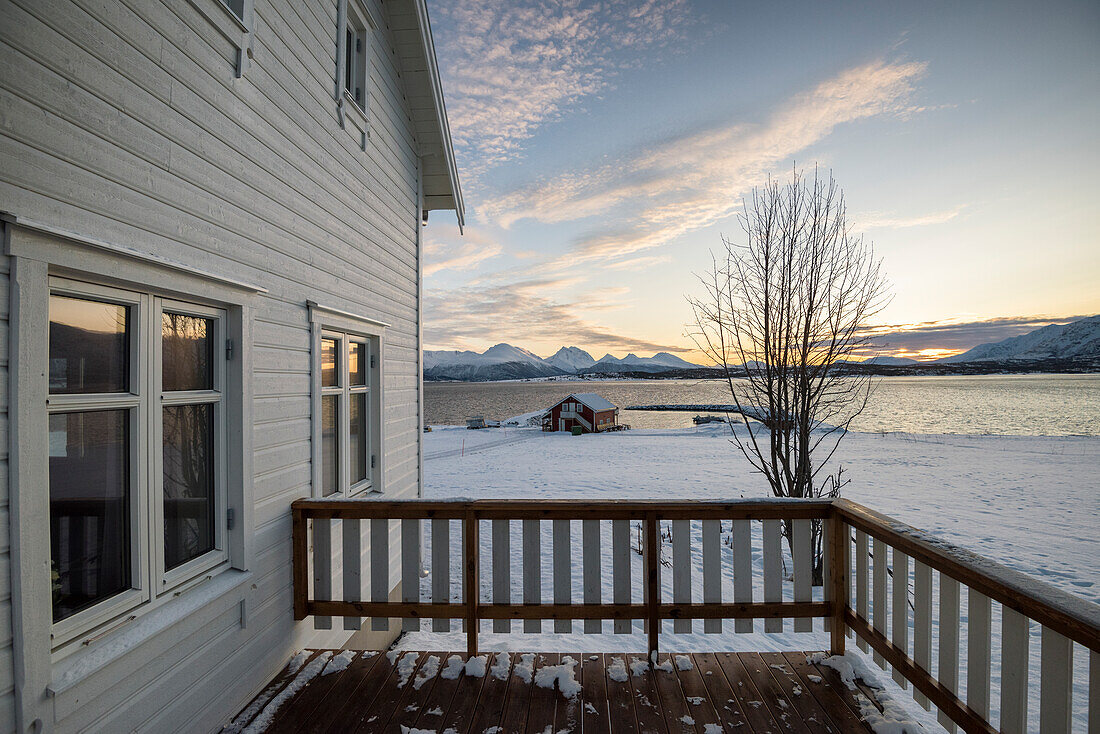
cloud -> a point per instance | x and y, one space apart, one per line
884 220
521 313
511 66
941 338
658 193
445 253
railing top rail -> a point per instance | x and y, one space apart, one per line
1067 614
534 509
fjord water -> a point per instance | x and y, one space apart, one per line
1035 405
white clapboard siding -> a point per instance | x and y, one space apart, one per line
712 570
1014 671
803 570
922 624
620 569
948 671
322 568
592 570
563 571
1055 683
773 571
899 609
742 570
502 571
441 569
532 570
379 569
861 582
979 626
410 569
878 589
352 567
681 570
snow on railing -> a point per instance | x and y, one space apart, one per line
896 611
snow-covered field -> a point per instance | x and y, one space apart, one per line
1030 503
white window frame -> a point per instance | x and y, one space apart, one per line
150 581
331 323
354 113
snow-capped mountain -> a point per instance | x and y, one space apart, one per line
571 359
889 361
1057 341
506 362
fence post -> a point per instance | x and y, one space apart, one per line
838 569
653 586
300 535
471 561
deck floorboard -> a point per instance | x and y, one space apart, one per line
739 693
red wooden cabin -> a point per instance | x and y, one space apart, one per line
589 411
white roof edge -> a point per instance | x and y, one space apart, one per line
440 109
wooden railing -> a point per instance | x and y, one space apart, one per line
862 549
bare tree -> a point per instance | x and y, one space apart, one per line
778 315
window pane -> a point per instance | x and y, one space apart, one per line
189 509
89 508
357 363
358 429
187 359
349 55
330 363
89 346
330 444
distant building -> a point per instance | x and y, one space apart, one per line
589 411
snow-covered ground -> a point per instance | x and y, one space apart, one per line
1028 502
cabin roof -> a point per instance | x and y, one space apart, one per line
419 70
592 400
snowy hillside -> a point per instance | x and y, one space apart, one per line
1057 341
571 359
506 362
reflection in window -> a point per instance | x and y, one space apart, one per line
358 429
187 361
89 346
329 362
330 447
89 508
188 483
357 363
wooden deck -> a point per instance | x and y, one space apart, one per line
738 693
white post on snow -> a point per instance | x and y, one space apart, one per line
441 569
712 570
861 583
899 611
592 571
502 571
681 571
620 569
773 571
803 560
742 570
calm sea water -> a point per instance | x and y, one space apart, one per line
1038 405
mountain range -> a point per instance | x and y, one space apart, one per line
506 362
1079 338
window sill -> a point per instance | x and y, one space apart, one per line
73 669
350 111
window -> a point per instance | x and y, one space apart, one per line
236 7
355 43
347 456
137 465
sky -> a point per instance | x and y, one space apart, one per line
605 148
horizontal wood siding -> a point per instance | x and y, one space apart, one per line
125 122
7 686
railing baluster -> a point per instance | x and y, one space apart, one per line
532 570
563 572
861 583
742 570
590 542
712 570
681 570
803 570
826 567
379 569
1055 683
899 621
922 624
352 568
441 569
948 673
300 538
502 571
1094 692
840 589
878 580
978 628
652 550
410 569
471 585
1014 662
322 568
620 569
773 570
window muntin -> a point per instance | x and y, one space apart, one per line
137 492
346 459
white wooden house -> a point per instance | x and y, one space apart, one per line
212 261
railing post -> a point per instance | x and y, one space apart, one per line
300 552
471 561
653 586
838 568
